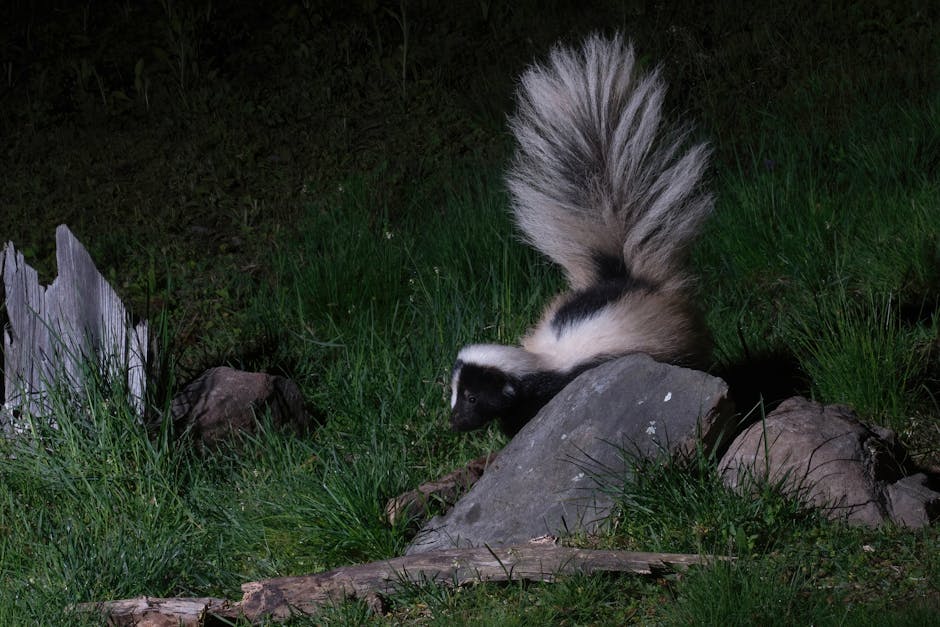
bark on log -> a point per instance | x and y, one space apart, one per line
154 612
281 598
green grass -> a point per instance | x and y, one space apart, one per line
830 255
294 203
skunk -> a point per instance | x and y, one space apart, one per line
608 191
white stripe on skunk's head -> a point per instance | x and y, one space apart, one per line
511 360
455 377
485 384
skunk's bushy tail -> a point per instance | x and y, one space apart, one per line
599 176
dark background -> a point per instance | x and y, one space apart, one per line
177 139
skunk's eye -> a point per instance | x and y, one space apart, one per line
472 399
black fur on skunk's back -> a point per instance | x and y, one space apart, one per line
607 189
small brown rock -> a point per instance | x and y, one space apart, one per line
224 401
912 502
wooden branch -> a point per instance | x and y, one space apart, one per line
278 599
154 612
414 504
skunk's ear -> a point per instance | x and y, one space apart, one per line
509 390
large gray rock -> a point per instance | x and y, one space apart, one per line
547 479
823 455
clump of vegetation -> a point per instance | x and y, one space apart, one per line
316 191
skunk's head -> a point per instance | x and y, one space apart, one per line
485 384
478 395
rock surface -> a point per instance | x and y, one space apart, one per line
548 479
224 401
912 502
825 456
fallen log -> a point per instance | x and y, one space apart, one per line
283 597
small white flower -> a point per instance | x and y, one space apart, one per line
651 429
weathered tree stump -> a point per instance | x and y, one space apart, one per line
55 334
